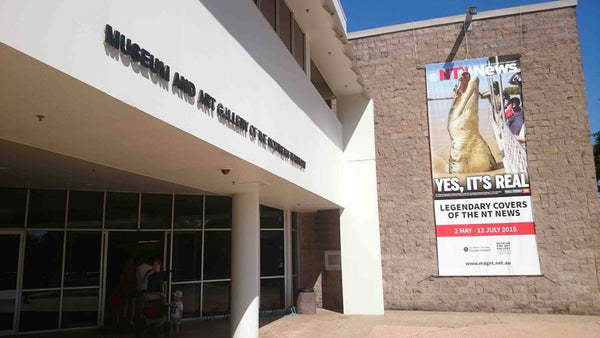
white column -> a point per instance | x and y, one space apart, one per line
245 265
362 282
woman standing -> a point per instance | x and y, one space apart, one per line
129 289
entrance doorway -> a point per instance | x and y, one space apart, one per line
123 245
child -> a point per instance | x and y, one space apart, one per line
176 311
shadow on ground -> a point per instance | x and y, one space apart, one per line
217 328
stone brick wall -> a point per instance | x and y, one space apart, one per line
565 201
310 266
318 232
328 238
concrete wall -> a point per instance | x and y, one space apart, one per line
359 221
561 165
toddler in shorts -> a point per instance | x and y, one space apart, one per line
176 311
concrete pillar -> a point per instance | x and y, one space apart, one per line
362 282
245 265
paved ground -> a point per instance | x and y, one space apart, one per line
433 324
395 324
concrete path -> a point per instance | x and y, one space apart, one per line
329 324
432 324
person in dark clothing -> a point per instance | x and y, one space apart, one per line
157 278
517 120
128 288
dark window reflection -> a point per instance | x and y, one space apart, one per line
121 210
39 310
267 7
272 293
47 208
167 264
85 209
190 299
7 309
285 25
217 255
9 251
294 220
12 207
187 256
80 308
271 253
216 299
298 44
43 259
82 262
294 252
271 218
188 211
156 211
218 212
295 290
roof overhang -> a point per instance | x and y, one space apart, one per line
88 139
324 24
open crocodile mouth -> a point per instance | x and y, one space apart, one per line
463 82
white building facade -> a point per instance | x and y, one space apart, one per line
188 124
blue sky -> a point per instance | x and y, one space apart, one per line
363 14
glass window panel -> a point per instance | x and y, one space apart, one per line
121 210
271 253
80 308
7 309
267 7
9 251
218 212
47 208
12 207
285 25
294 220
85 209
43 259
187 256
82 263
295 290
188 211
217 255
294 252
166 265
156 211
298 44
216 299
272 293
39 310
190 299
271 218
320 84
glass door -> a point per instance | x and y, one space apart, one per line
10 244
123 248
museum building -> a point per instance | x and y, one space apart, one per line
256 149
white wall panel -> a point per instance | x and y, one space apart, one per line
225 47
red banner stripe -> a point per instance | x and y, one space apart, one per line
495 229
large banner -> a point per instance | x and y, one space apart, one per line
482 199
